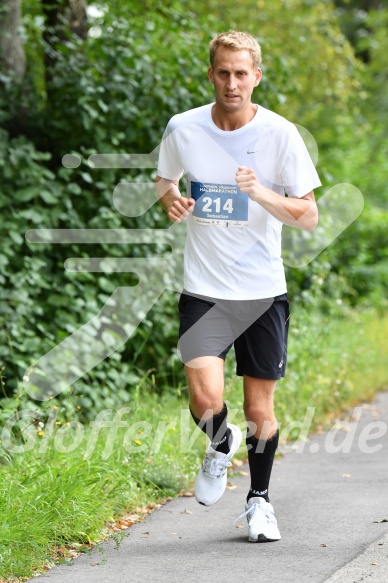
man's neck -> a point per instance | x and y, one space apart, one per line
230 121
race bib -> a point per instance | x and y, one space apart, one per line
221 205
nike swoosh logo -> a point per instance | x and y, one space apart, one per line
253 152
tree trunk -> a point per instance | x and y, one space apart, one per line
62 17
12 56
78 20
61 14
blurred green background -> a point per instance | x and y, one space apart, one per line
106 78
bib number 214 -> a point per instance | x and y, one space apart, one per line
221 205
214 205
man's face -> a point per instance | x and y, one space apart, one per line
234 78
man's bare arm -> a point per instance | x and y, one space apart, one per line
297 212
178 207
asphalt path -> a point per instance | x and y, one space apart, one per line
330 496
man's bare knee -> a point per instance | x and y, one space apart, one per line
206 386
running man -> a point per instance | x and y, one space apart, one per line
248 172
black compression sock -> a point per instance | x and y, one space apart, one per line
261 456
216 429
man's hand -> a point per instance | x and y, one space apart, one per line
248 183
180 209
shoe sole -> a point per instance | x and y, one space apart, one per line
263 539
238 433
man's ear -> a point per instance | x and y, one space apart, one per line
210 74
258 76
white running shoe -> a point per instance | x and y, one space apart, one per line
211 479
262 524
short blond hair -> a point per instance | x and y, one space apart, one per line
236 41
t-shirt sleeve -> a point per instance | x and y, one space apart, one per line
297 171
169 164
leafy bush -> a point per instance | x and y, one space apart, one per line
114 93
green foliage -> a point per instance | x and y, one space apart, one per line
360 156
56 497
114 69
335 361
115 92
327 357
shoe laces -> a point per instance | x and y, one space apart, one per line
215 467
253 511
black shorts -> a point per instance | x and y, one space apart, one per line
257 328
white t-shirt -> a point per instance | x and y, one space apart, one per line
233 245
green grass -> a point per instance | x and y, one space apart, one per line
52 498
333 364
